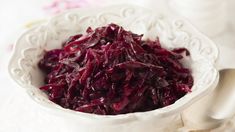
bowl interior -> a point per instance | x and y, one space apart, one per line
173 32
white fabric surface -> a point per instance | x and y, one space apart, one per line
17 112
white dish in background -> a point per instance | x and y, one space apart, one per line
208 16
173 32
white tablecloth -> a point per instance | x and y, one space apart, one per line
17 112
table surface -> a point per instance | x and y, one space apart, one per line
18 113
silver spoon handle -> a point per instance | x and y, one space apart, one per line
224 105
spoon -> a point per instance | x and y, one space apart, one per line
224 104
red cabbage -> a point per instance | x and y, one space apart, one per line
112 71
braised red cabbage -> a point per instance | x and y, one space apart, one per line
110 71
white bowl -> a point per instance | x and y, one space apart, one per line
173 32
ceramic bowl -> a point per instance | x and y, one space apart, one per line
172 31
